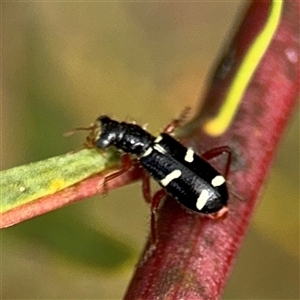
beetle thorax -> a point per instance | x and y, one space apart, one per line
129 138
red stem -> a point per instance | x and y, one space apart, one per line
194 255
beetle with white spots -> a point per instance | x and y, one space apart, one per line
182 174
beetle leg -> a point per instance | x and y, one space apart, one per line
155 201
177 122
221 214
146 187
216 152
159 195
126 163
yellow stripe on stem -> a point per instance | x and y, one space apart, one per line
219 124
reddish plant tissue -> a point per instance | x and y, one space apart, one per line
194 255
86 188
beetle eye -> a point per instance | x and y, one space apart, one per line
102 143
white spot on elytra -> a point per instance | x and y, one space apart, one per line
173 175
189 156
202 199
22 189
218 180
147 152
158 139
292 55
159 148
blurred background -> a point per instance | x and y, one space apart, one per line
64 63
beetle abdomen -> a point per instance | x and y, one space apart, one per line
185 175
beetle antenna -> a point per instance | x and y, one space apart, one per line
90 139
71 132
